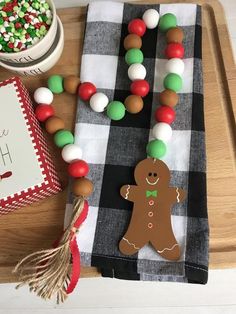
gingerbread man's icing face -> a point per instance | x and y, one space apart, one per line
151 173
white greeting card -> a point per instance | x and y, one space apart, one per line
17 154
27 173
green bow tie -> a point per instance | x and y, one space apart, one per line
151 193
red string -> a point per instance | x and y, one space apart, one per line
75 274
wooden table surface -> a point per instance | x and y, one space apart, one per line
35 227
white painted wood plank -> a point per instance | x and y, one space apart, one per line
105 293
232 26
151 310
70 3
229 7
234 48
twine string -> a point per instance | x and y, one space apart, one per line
47 272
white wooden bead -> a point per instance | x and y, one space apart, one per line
175 65
71 152
151 18
162 131
98 102
43 95
136 71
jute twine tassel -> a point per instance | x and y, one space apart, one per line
47 272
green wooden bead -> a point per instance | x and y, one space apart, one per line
115 110
133 55
173 82
63 137
156 149
167 21
55 84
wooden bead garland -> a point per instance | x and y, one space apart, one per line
175 35
43 95
49 261
43 112
71 84
82 186
54 124
168 98
132 41
139 88
133 103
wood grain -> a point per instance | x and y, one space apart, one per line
35 227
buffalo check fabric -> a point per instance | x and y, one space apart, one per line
113 148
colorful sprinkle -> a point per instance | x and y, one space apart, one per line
23 23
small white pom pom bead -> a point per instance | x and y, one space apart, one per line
71 152
175 65
43 95
151 18
136 71
162 131
98 102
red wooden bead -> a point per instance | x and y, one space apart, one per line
78 168
140 88
174 50
165 114
43 112
86 90
137 26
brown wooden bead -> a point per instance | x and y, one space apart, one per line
175 35
82 187
132 41
168 98
54 124
133 103
71 84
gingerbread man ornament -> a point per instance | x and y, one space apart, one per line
151 216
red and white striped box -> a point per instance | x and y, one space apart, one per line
27 173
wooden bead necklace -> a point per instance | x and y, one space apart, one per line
78 169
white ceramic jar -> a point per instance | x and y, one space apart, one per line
45 62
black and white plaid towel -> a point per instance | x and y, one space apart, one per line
113 148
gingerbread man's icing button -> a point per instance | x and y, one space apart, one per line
150 225
151 203
150 214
